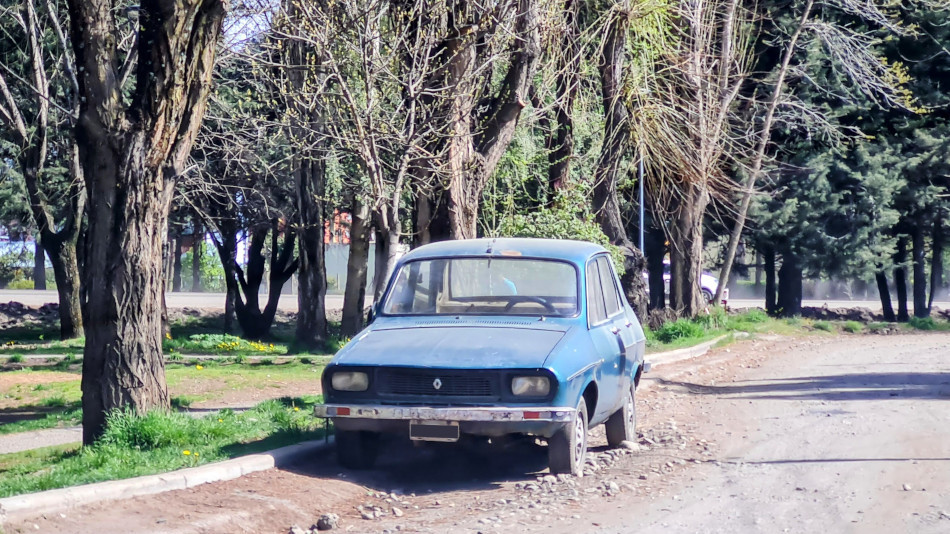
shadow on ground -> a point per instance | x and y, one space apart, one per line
843 387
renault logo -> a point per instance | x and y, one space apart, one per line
437 384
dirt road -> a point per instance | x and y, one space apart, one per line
817 434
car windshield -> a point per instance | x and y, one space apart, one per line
483 286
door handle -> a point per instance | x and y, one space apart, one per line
615 330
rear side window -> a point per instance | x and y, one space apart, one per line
596 312
609 285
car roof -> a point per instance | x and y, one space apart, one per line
561 249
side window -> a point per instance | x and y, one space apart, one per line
608 282
596 312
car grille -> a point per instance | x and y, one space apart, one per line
421 383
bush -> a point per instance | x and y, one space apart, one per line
20 283
716 319
825 326
566 220
679 329
853 327
923 323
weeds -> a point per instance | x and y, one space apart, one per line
852 327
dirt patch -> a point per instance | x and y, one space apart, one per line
8 380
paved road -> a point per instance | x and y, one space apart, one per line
288 303
843 434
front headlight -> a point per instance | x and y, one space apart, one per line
349 381
533 386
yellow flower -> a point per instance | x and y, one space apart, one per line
168 335
296 408
186 452
220 420
196 453
199 367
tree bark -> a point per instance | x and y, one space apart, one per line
39 266
769 257
311 333
654 253
357 265
481 138
790 286
132 149
686 251
900 279
885 294
561 149
606 206
921 309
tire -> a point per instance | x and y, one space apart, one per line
568 447
708 296
357 449
622 425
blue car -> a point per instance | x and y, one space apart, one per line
491 337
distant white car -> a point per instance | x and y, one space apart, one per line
707 282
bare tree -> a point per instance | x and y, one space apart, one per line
34 115
133 145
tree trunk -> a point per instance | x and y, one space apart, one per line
920 278
790 286
226 245
632 282
616 131
256 322
354 296
654 253
196 251
431 217
387 249
567 81
481 137
769 266
885 294
39 266
900 279
686 252
311 331
132 147
936 260
176 263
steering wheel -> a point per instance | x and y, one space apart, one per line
529 298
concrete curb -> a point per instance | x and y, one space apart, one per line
33 504
678 355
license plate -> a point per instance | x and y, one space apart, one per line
434 431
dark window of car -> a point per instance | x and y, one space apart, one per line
483 286
608 283
596 312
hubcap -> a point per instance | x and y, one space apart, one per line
580 441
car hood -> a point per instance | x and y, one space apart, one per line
468 347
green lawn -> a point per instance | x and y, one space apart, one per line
158 442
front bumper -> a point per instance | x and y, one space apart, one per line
477 421
428 413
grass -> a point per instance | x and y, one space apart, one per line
824 326
137 445
65 416
852 327
688 332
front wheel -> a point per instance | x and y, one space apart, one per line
708 296
357 449
568 447
622 425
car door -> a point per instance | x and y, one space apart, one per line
621 324
606 342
